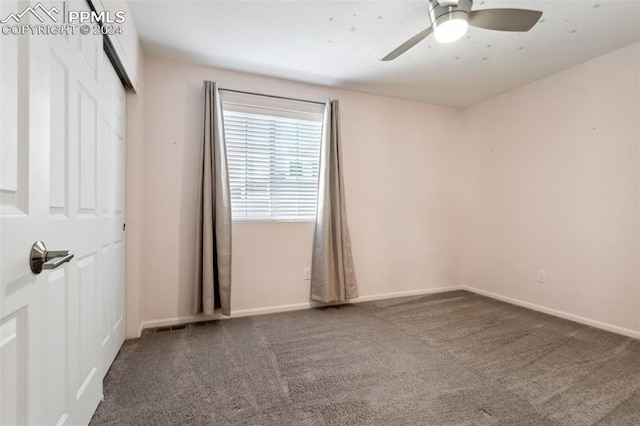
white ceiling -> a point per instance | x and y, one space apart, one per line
339 43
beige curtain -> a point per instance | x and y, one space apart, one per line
213 251
333 277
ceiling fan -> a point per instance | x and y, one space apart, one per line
450 20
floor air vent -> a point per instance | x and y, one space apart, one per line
172 328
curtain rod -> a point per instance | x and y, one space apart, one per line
272 96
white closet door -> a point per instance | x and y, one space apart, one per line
111 179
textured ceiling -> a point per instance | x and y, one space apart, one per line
340 43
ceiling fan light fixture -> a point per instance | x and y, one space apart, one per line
450 27
450 20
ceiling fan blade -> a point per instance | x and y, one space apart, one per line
504 19
408 44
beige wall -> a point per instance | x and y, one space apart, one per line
402 181
551 182
543 177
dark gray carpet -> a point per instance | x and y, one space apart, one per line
451 358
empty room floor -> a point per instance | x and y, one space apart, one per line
450 358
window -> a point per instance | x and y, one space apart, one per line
273 155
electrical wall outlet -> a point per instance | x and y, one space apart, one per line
542 276
307 273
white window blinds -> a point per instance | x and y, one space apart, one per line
273 158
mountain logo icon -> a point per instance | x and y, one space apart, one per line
38 11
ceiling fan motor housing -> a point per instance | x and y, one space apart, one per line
439 14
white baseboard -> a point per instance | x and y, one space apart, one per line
165 322
557 313
419 292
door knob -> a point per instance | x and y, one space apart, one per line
41 258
